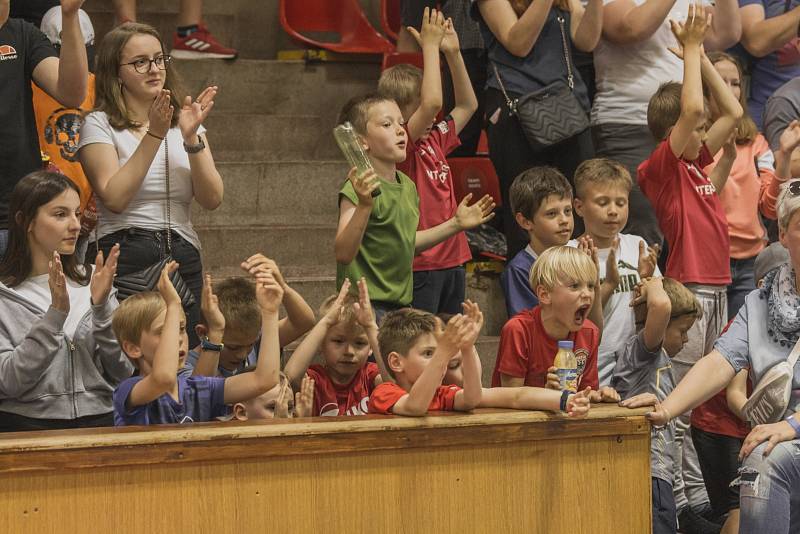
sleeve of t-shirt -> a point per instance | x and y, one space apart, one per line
37 48
778 113
704 158
733 344
444 134
216 386
517 291
372 373
445 398
189 365
590 376
513 351
96 129
133 416
384 397
348 192
743 3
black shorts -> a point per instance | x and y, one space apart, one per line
719 461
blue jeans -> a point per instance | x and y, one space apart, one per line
769 490
742 283
3 242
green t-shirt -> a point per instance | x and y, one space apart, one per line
387 248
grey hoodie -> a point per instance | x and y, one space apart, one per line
46 375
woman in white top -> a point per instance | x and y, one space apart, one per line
139 122
59 358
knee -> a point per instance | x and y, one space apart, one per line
758 472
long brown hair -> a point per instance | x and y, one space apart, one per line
520 6
108 88
747 129
31 193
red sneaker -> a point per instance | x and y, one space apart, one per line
200 44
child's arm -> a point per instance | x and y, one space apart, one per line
470 396
611 281
736 394
659 309
788 151
418 399
302 356
164 374
430 103
365 316
719 176
299 315
730 110
353 218
247 386
531 398
648 260
465 218
466 103
690 34
208 360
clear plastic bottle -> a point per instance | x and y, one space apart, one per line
350 146
566 366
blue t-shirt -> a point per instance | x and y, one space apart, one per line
774 69
201 399
516 287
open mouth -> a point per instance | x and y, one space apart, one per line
402 144
581 314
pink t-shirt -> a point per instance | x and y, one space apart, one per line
426 164
690 214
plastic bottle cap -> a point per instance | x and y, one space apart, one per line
568 345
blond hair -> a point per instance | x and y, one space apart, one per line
683 302
401 83
602 171
238 304
402 328
347 314
562 265
135 315
788 204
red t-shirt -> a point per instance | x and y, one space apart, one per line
526 351
332 399
690 214
387 394
426 164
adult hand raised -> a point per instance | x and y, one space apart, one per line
194 113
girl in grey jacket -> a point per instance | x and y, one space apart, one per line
59 359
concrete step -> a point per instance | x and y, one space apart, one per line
275 192
266 137
279 87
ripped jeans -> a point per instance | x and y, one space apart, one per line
769 490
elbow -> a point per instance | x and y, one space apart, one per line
164 381
737 112
431 105
694 113
755 47
345 257
114 206
72 97
213 201
519 51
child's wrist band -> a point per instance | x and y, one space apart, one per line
564 398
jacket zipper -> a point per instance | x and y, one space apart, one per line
71 346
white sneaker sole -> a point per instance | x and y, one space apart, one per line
190 54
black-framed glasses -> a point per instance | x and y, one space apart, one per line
143 65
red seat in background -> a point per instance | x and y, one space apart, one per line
476 176
390 18
343 17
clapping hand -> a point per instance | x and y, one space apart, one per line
334 313
790 138
648 260
269 292
259 262
103 275
209 306
304 399
59 297
165 287
468 217
365 315
691 31
160 114
194 113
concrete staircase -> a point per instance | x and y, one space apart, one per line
270 133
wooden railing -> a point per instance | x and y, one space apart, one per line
491 471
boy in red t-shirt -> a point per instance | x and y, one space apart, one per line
688 207
439 276
417 351
345 336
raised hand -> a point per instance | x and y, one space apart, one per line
160 114
269 292
304 399
364 184
643 288
578 404
59 297
450 44
612 272
334 313
472 312
433 29
69 7
259 262
790 138
648 260
692 31
282 401
103 275
468 217
209 306
452 338
194 113
365 315
586 245
165 287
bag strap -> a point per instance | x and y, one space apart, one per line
565 48
169 207
512 104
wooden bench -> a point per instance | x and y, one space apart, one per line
492 471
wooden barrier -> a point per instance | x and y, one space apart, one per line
492 471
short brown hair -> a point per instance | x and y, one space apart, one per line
135 315
683 302
401 83
356 111
238 304
531 187
664 109
602 171
402 328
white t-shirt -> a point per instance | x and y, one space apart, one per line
147 209
37 290
618 319
628 75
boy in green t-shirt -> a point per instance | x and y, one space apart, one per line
377 237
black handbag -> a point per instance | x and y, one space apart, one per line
553 113
147 278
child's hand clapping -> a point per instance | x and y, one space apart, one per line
59 297
790 138
259 262
365 315
433 29
304 399
269 292
468 217
474 324
364 184
450 44
334 313
209 306
693 30
648 260
452 338
165 287
612 271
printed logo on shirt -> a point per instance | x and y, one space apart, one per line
331 409
186 419
442 126
705 189
581 355
7 52
627 282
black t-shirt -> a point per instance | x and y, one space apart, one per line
22 47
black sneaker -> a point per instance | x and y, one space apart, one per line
691 523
